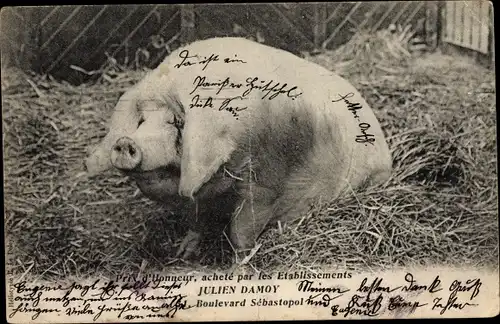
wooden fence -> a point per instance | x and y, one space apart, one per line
300 27
468 27
52 39
66 41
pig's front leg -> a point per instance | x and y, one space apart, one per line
251 217
189 245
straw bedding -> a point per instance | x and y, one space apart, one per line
439 207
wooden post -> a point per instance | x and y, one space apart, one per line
19 46
188 26
320 25
35 33
491 38
9 53
432 25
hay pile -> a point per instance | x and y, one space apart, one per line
440 205
387 50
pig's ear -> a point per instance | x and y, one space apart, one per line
126 115
124 121
205 149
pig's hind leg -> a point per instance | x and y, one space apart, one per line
251 217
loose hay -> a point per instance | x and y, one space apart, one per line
366 52
440 205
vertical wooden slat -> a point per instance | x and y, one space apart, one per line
485 20
188 31
431 24
467 14
450 18
35 34
458 23
491 24
476 24
320 16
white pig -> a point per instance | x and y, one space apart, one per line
279 131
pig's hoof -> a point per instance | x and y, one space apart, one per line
243 256
189 245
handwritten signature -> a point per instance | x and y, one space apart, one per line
360 305
471 286
202 82
451 302
324 293
374 296
190 60
198 102
268 87
126 295
400 303
353 107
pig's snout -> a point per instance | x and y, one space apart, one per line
125 154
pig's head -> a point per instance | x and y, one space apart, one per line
144 138
210 137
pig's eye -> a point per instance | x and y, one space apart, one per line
141 120
179 123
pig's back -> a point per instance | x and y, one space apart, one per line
320 89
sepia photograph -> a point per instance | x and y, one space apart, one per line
297 160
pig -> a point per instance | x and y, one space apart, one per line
273 131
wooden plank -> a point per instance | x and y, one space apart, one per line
369 14
401 12
485 22
458 23
334 13
320 25
382 19
415 11
491 23
290 24
450 18
339 26
75 40
201 18
110 34
46 18
130 35
475 24
61 26
431 24
466 40
188 27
